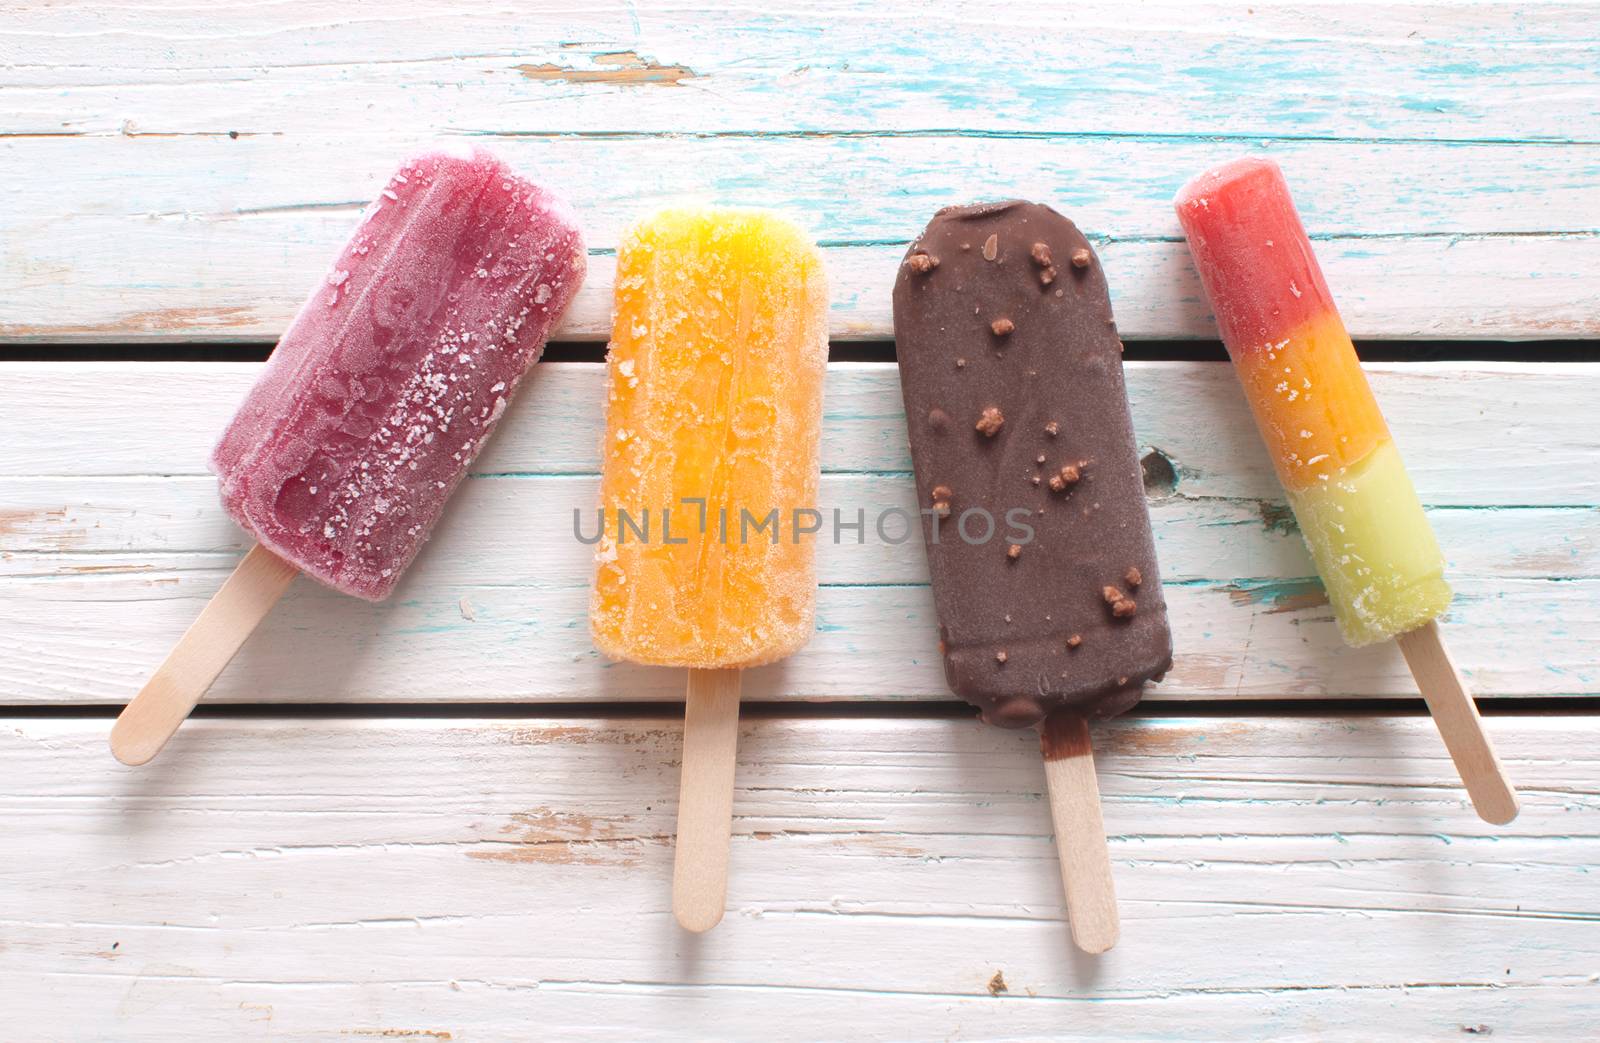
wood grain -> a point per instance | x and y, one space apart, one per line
1277 877
171 178
705 799
181 681
1474 433
1426 71
109 528
1073 791
1439 147
1456 715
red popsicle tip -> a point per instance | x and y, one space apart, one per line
1217 179
1254 258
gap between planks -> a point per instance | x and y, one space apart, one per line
881 351
1364 708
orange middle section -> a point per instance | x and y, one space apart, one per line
1311 401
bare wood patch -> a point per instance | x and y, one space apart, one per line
547 836
619 67
159 321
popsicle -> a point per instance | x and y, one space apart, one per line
713 426
375 402
1038 538
1354 502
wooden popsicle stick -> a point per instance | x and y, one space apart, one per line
705 799
1457 718
243 601
1080 831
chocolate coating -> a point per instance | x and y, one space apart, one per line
1076 619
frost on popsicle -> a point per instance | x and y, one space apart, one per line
395 372
1357 509
718 350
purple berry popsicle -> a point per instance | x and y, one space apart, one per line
375 403
395 372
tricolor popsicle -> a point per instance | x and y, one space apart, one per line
375 402
1356 507
713 415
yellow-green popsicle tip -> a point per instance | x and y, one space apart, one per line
1374 548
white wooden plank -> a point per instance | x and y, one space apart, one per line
1437 145
1277 878
520 531
85 636
101 569
1441 70
244 281
1474 434
850 188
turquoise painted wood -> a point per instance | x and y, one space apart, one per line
114 527
1443 153
181 174
335 879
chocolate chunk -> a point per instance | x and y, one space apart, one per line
1065 478
1064 648
1041 257
991 421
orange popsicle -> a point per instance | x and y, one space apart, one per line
713 427
713 422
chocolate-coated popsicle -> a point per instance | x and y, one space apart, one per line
1011 370
1039 546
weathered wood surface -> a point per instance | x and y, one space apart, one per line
1304 878
208 169
173 174
112 539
